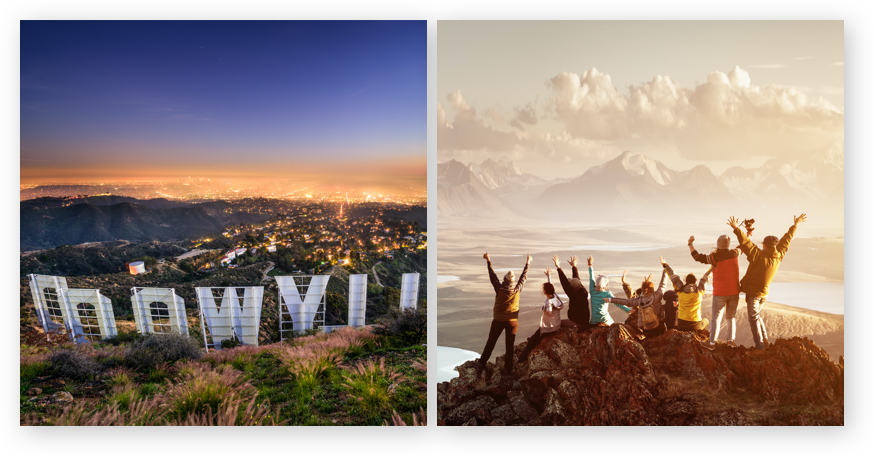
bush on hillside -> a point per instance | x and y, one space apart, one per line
73 364
408 326
156 349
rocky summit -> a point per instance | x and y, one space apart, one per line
608 376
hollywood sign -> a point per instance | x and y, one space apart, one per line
227 313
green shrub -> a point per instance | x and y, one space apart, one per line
230 343
73 364
152 350
408 326
123 338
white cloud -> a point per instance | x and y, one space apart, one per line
837 64
467 132
769 65
725 114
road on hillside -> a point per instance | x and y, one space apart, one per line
269 268
375 274
194 253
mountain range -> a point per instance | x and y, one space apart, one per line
633 185
45 224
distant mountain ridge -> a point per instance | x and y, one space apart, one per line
461 193
797 180
46 225
632 184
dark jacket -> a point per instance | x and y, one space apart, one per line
506 296
763 263
578 298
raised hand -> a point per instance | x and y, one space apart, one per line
733 222
556 261
486 257
623 276
800 218
691 240
591 260
662 260
573 261
528 261
648 278
548 272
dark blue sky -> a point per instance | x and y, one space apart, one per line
116 95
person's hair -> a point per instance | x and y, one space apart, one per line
638 292
548 289
647 287
690 279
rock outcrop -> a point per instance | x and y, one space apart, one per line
606 376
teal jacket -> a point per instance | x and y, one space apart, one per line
599 305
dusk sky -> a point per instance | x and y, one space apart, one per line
560 96
116 99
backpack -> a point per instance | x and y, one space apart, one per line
647 316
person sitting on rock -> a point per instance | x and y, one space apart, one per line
631 320
550 319
648 307
578 296
761 271
690 296
601 295
725 288
505 314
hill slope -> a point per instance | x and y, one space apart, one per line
47 227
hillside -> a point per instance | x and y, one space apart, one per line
607 377
93 258
47 227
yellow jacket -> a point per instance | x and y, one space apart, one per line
689 305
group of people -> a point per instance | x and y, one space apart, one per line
652 309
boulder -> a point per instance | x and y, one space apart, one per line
522 408
477 408
504 413
62 397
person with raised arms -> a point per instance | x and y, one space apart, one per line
648 306
690 296
550 319
578 296
726 289
505 314
761 271
601 295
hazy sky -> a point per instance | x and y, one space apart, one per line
685 93
112 99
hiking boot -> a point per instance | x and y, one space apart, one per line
706 344
731 344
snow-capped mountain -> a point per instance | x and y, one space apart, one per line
502 175
803 181
460 192
632 184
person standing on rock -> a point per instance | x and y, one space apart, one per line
578 296
689 307
761 271
505 315
726 289
648 306
550 319
601 297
